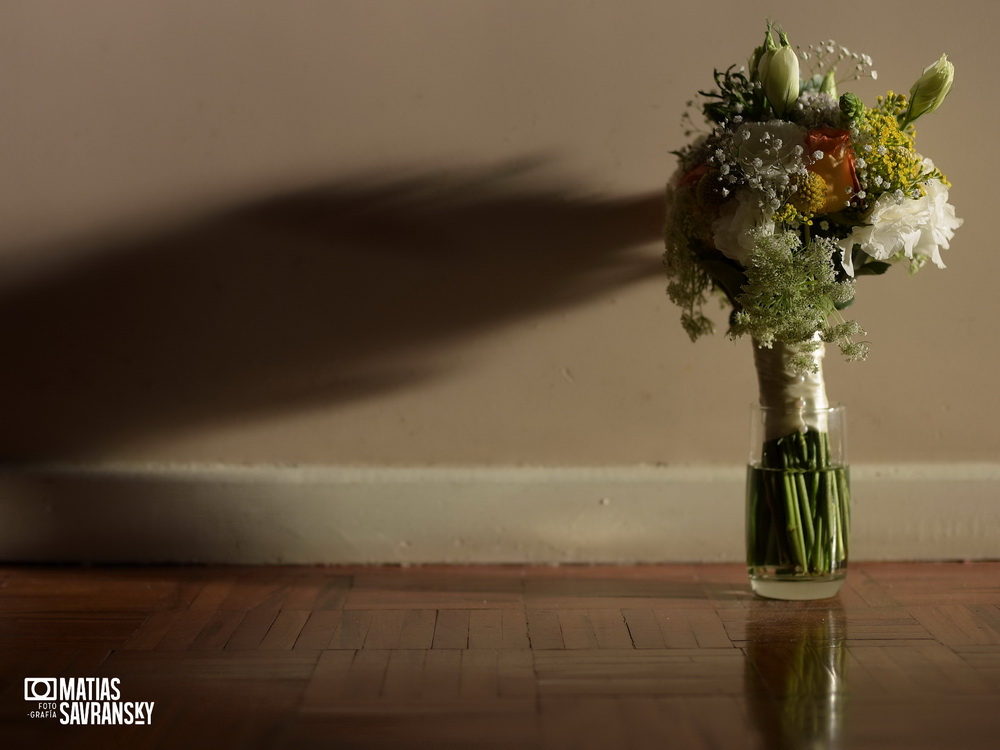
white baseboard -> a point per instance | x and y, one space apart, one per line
343 515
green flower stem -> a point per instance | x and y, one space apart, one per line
845 513
799 507
794 521
806 511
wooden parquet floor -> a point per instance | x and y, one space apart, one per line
665 657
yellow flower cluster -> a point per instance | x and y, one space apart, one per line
890 160
808 197
810 194
788 214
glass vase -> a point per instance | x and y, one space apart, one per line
798 502
798 486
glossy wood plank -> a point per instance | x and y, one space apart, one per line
153 630
385 628
498 628
328 681
442 675
452 629
351 631
544 629
629 657
250 633
318 630
418 629
285 630
218 630
643 628
213 593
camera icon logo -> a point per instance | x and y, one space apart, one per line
40 688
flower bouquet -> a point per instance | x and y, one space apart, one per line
792 192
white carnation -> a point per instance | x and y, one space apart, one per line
940 228
919 228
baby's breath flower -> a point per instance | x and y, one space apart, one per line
816 109
828 55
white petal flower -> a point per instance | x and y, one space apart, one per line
919 228
740 221
940 228
847 260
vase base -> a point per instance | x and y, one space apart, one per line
795 590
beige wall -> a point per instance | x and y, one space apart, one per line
426 232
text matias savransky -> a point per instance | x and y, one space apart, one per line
84 700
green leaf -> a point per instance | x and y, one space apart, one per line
873 268
724 271
866 265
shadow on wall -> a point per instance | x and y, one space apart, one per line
329 294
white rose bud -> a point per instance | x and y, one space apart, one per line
759 52
930 90
778 71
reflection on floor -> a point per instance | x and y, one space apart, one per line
667 657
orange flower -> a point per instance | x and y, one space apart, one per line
693 175
835 166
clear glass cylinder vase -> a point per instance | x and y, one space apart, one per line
798 501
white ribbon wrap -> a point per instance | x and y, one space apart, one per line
792 400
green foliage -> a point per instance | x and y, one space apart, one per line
689 283
791 293
737 96
852 107
694 268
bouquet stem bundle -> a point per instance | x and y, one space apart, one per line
798 509
798 488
